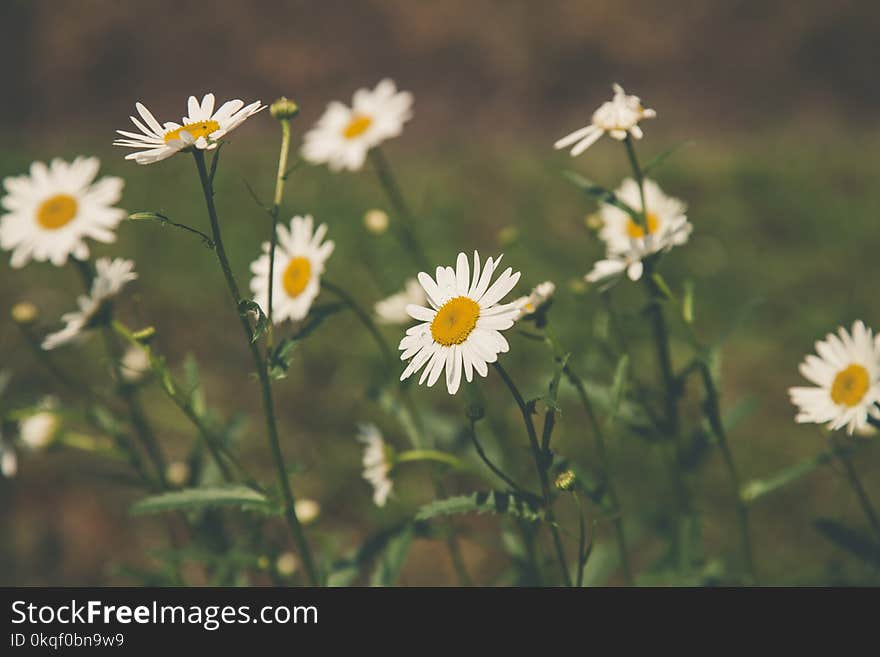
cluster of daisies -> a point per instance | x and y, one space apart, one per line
460 311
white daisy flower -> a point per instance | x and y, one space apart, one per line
847 373
38 430
392 310
377 462
202 128
110 277
627 243
51 212
533 302
299 263
460 332
344 135
307 510
618 117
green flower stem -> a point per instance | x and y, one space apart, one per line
262 374
856 484
405 226
712 407
579 581
604 460
489 464
542 470
671 389
365 319
221 455
416 455
640 180
280 178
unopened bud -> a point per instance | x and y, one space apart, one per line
24 313
283 108
177 473
376 221
307 510
566 480
594 221
286 564
508 235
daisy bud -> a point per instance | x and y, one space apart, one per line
376 221
566 480
263 562
286 564
24 313
508 235
177 473
283 109
594 221
307 510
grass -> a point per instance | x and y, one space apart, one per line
780 225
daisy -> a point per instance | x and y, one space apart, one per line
619 117
847 375
53 210
377 461
537 299
460 332
110 277
299 263
202 128
393 309
37 430
627 243
344 135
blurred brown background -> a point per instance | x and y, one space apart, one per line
741 65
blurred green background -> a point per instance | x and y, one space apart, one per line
777 98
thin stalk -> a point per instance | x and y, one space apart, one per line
494 468
605 464
579 580
542 471
417 455
742 510
280 178
262 374
856 484
405 226
640 180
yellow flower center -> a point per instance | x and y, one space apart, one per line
357 126
455 321
199 129
296 275
635 231
57 211
850 385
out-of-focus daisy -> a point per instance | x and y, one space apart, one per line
847 377
299 263
377 461
38 430
392 310
344 135
202 128
618 117
538 298
51 211
177 473
307 510
376 221
110 277
135 364
460 332
628 243
8 459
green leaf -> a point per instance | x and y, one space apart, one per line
618 386
388 569
661 158
246 306
482 502
192 499
194 385
598 192
278 360
165 221
851 540
687 303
